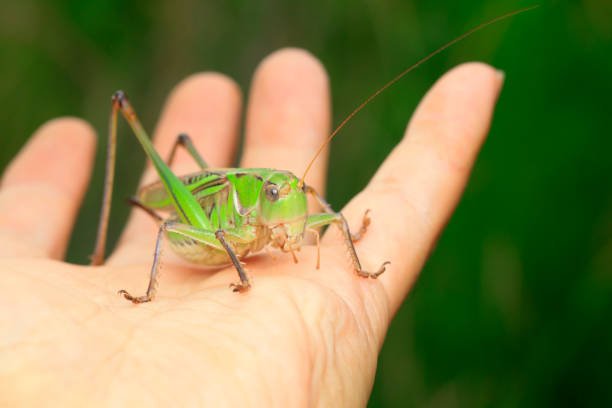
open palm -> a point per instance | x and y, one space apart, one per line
300 336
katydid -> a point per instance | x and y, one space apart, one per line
219 216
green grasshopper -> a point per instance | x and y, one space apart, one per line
219 216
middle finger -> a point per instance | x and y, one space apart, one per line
288 115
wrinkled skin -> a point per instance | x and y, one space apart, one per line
300 336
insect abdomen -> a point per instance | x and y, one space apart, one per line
202 254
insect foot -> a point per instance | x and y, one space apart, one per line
135 299
373 275
240 287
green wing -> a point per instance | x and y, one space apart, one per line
200 185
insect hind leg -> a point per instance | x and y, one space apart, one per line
183 140
135 202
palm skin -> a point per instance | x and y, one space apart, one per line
300 336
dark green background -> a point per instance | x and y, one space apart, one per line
514 306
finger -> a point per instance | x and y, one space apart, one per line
416 189
207 107
42 189
288 115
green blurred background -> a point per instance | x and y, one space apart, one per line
514 306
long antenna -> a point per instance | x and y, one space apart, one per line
401 75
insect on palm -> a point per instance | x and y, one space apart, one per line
219 216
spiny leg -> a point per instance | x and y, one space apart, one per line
216 240
133 201
97 258
219 240
185 141
319 220
365 221
186 205
331 217
119 103
152 288
244 283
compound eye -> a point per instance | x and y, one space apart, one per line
272 193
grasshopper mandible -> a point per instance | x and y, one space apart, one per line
219 216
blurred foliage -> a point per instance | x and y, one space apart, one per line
514 306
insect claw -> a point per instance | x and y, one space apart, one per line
380 270
240 287
374 275
134 299
295 260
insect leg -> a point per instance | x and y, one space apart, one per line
216 240
137 203
244 283
185 141
315 221
97 258
186 206
365 222
152 288
220 239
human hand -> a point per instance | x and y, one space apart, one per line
300 336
